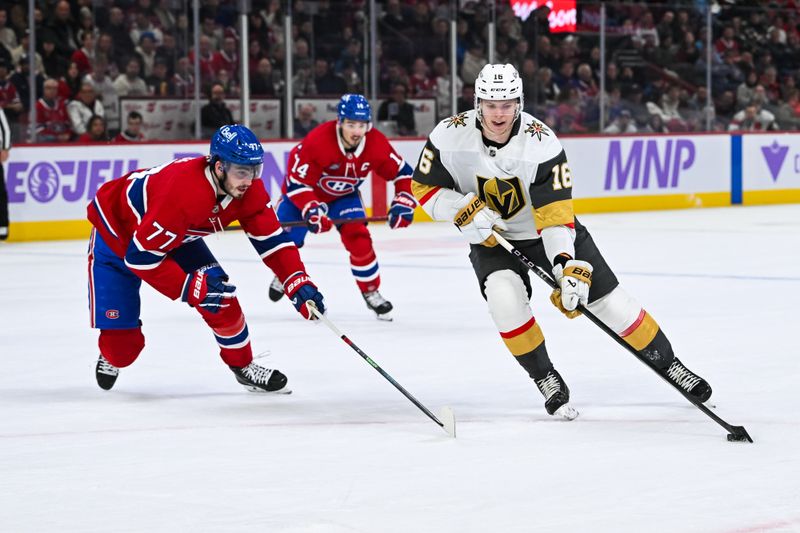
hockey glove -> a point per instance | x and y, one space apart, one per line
574 279
315 215
208 288
301 291
476 220
401 211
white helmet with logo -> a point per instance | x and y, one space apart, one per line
498 82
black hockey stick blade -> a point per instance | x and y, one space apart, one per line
739 434
448 420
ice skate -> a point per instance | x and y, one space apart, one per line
259 379
275 289
380 305
556 395
106 373
687 380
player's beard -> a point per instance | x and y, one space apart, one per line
234 192
350 141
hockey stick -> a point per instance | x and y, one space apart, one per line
447 422
338 221
735 433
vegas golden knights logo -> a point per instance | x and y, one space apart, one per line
502 195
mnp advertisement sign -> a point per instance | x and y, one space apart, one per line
657 172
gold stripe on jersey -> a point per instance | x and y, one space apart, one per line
554 214
523 339
422 192
641 332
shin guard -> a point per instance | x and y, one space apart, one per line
121 347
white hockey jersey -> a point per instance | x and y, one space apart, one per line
527 180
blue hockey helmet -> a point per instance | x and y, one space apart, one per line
237 145
354 107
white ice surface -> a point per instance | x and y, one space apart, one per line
178 445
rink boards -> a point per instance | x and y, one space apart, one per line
49 186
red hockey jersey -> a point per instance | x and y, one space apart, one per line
147 213
319 168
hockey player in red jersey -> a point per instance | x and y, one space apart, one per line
324 174
149 225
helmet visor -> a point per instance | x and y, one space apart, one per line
243 172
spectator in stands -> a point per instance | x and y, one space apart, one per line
55 66
8 36
129 83
22 50
20 79
227 58
159 83
548 84
63 29
421 85
747 89
622 124
133 129
262 81
326 81
169 50
117 29
206 70
304 121
303 82
105 50
788 113
84 56
52 120
397 109
146 52
753 118
70 83
144 25
9 97
441 73
82 108
393 75
466 101
215 113
211 32
231 87
106 93
655 124
350 56
183 79
254 53
474 60
95 131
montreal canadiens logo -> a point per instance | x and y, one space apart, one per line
339 185
112 314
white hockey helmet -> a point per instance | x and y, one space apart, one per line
498 82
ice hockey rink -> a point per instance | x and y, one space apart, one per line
178 445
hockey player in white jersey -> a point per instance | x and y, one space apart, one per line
498 167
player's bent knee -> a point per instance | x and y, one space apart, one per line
507 297
618 310
121 347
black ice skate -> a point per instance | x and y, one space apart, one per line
275 290
688 380
106 373
379 304
259 379
556 395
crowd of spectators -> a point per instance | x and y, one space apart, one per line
91 54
